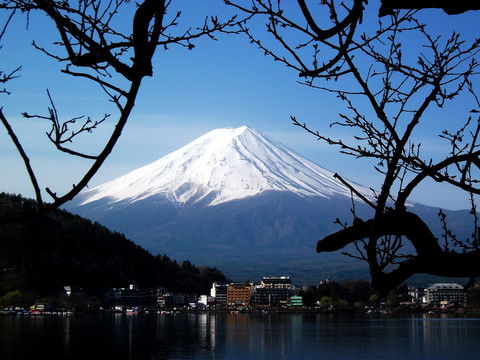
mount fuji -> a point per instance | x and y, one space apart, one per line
221 166
234 199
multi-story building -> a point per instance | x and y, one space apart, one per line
219 292
278 282
168 299
131 296
274 291
445 292
165 300
239 294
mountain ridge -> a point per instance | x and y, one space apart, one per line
41 255
248 234
222 165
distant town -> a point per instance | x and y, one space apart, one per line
272 293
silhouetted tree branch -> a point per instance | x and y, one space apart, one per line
93 47
450 7
387 87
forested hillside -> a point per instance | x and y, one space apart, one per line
41 255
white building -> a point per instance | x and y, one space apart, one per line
219 292
206 300
445 293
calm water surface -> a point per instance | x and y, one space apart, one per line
239 336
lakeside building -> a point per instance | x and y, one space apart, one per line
274 291
130 296
219 293
239 294
179 299
165 300
445 293
206 300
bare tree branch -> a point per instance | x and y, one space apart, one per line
107 57
399 90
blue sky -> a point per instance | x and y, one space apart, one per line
225 83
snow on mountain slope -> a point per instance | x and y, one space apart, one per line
222 165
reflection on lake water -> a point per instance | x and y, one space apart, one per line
239 336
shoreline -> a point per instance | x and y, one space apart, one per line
347 311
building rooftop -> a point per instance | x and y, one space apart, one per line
445 286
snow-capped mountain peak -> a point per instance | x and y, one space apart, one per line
222 165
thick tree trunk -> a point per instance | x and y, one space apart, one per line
430 258
447 264
450 7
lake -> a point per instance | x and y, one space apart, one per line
239 336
